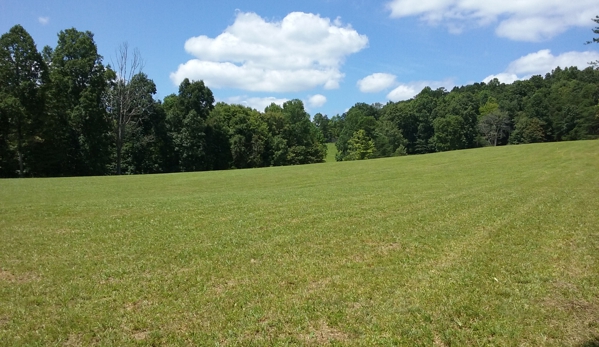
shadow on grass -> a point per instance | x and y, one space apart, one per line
593 342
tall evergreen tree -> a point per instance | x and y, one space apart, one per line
22 77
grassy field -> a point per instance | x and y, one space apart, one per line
331 151
493 246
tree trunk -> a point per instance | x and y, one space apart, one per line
20 148
20 163
119 148
118 160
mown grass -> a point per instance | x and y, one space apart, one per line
331 152
493 246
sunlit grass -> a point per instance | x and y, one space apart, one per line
331 152
493 246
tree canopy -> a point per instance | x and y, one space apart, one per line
63 113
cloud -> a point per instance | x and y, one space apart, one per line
405 91
530 20
503 77
542 62
300 52
255 102
376 82
260 103
43 20
317 100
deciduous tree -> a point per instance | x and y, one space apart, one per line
186 121
494 126
449 133
76 105
128 97
22 76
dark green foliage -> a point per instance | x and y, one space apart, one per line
81 127
244 134
302 137
360 117
145 148
401 116
388 140
207 137
449 133
455 122
62 113
22 74
527 130
323 123
186 123
559 106
335 127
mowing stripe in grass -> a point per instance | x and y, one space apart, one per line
494 246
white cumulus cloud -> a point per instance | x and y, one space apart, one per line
542 62
521 20
405 91
376 82
43 20
504 77
317 100
300 52
258 103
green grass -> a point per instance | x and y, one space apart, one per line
331 151
492 246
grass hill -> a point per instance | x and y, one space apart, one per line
331 151
491 246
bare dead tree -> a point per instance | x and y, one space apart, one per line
494 126
125 102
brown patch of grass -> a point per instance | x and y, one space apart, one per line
323 334
582 317
4 320
592 342
137 305
221 288
7 276
140 335
265 332
317 285
356 305
74 340
438 342
389 248
109 280
63 231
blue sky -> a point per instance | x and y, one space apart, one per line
329 53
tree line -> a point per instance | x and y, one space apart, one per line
560 106
64 113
